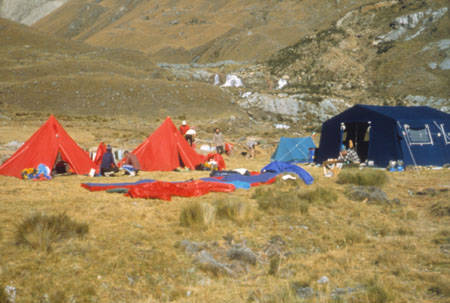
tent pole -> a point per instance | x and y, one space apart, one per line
407 145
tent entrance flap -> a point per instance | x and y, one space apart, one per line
359 134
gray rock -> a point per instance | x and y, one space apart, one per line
405 26
242 253
207 263
191 247
304 292
323 280
371 193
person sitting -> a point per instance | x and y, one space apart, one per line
251 146
61 167
190 136
218 141
184 127
131 164
108 167
349 155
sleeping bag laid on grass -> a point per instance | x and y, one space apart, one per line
281 167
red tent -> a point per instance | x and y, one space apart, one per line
165 149
101 149
43 147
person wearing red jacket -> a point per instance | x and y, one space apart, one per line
184 127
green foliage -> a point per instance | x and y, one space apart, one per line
40 231
366 177
293 200
197 214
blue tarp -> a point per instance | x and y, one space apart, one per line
416 135
242 181
278 167
294 150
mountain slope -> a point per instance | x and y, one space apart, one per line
42 73
201 30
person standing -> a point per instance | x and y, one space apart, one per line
108 167
184 127
218 141
190 136
131 164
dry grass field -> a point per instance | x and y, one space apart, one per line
135 250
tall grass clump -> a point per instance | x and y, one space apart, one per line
367 177
293 200
3 296
439 209
197 214
40 231
234 210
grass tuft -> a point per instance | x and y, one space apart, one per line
197 214
3 296
293 201
234 210
40 231
365 177
440 209
377 293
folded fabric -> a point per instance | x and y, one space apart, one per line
281 167
105 186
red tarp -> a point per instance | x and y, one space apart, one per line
43 147
165 190
164 149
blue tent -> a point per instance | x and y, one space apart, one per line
294 150
417 135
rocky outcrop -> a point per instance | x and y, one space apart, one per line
28 12
295 107
411 26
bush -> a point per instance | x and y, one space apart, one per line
233 210
40 231
197 214
292 200
365 178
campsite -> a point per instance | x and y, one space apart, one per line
142 250
224 151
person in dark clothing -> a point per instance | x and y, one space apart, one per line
108 167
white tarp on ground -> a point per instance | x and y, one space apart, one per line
233 81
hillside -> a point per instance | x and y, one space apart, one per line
201 31
39 72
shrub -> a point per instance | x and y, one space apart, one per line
442 237
234 210
197 214
41 231
365 178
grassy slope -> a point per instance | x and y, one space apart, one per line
214 31
42 73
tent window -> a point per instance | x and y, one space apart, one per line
446 134
419 136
